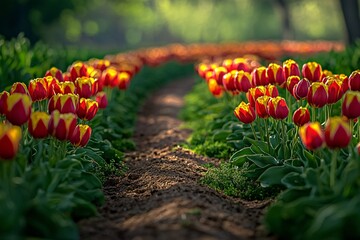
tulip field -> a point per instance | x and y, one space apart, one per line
276 113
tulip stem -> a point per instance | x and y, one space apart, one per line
253 130
267 133
283 136
313 113
333 168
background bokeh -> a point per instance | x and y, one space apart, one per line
127 24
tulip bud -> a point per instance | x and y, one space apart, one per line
277 108
354 80
261 106
243 81
351 104
337 132
19 87
272 91
10 137
87 109
124 80
38 89
312 71
64 103
291 82
102 100
83 86
259 76
38 125
291 68
317 95
275 74
78 69
81 135
67 87
56 73
254 93
334 89
62 126
215 89
245 113
301 116
312 135
18 108
3 105
301 89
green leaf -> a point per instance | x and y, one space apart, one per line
262 160
240 157
294 180
221 135
273 175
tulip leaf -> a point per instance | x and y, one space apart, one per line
240 157
221 135
263 161
273 175
294 180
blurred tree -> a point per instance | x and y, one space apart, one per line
350 9
283 7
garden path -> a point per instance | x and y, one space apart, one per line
160 196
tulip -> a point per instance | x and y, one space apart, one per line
38 125
62 126
275 74
218 74
100 64
301 89
84 86
291 82
78 69
254 93
261 106
64 103
358 148
354 80
334 89
87 109
259 76
124 80
3 98
67 77
344 83
229 81
245 113
56 73
317 95
243 81
241 64
291 68
215 89
203 68
351 104
102 100
10 137
272 91
277 108
301 116
109 77
81 135
325 73
312 71
228 64
337 132
312 135
67 87
38 89
52 86
18 108
19 87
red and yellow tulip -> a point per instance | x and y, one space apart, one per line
317 95
275 74
277 108
87 109
312 71
10 137
64 103
3 102
56 73
38 89
245 113
337 132
243 81
351 104
291 68
301 116
354 80
18 108
261 106
81 135
101 99
62 126
38 124
215 89
19 87
312 135
259 76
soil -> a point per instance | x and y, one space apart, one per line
160 196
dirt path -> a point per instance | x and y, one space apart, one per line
160 196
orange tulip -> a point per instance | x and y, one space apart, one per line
38 125
245 113
10 137
337 132
312 135
18 108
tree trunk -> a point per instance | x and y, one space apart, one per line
283 7
350 10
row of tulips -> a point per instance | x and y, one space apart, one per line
283 103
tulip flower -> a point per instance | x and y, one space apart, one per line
229 81
312 135
259 76
291 68
67 77
228 64
124 80
245 113
325 73
291 82
3 105
10 137
317 95
241 64
254 93
52 86
312 71
100 64
84 86
261 106
218 74
215 89
337 132
301 116
277 108
301 89
78 69
243 81
81 135
18 108
334 89
272 91
275 74
351 104
354 80
62 126
109 77
87 109
38 89
203 68
102 100
38 125
56 73
67 87
64 103
19 87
